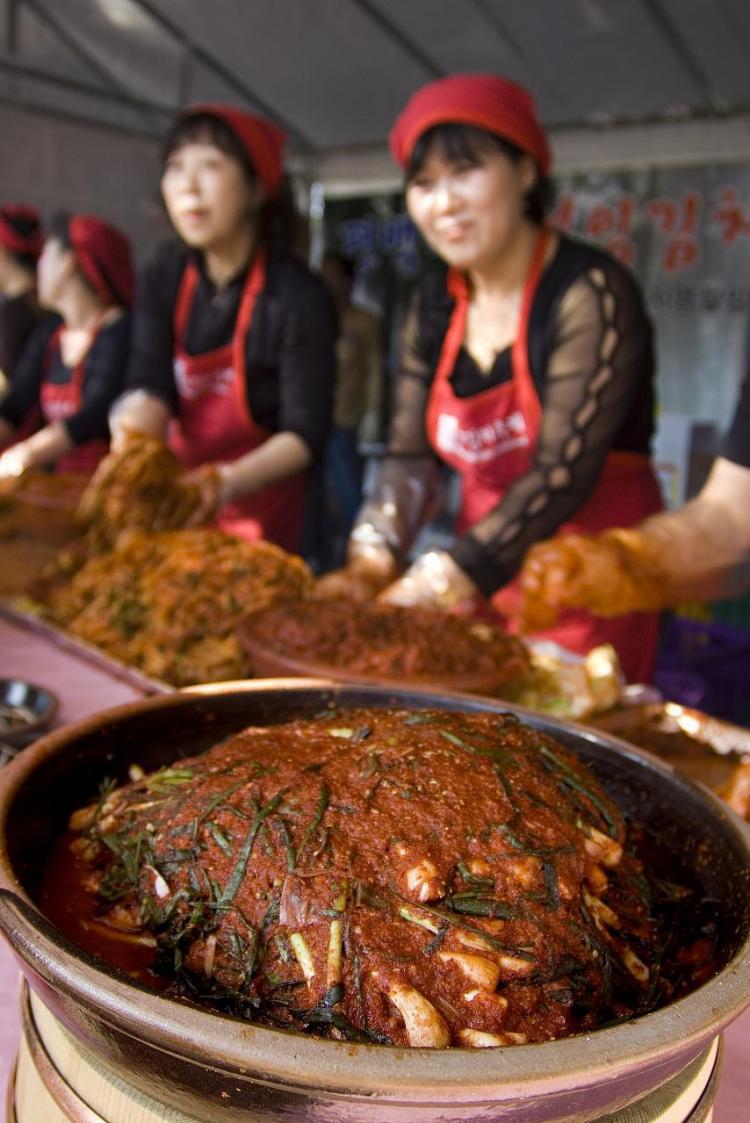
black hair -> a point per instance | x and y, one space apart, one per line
59 229
457 141
278 219
26 226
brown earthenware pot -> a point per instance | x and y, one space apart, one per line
218 1068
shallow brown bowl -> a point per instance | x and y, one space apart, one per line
218 1068
267 663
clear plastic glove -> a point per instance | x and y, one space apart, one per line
204 486
610 574
105 472
365 574
434 581
136 412
14 462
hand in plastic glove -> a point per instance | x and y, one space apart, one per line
204 493
105 472
433 581
361 579
610 574
14 462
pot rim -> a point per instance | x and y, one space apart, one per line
287 1057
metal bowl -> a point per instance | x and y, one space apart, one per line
25 710
215 1067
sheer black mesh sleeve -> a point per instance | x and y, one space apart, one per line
408 483
599 361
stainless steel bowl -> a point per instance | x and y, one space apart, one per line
25 710
219 1068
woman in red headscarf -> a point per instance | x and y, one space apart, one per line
20 246
233 347
527 368
72 370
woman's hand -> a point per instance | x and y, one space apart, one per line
45 447
611 574
361 579
552 578
433 581
106 471
14 462
203 492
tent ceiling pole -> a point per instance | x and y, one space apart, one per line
393 32
11 25
186 74
219 68
515 46
78 49
11 67
684 52
76 118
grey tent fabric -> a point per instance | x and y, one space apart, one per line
334 73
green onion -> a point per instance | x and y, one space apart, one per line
240 868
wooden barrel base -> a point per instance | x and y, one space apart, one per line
58 1080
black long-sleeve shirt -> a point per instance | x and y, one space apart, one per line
289 350
104 374
587 307
19 316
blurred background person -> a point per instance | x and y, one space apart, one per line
357 409
20 245
233 342
72 371
527 368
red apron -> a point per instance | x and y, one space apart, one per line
490 440
59 402
214 422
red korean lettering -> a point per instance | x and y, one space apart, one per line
679 221
564 213
732 216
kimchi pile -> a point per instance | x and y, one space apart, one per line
415 879
169 603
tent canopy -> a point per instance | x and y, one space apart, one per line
335 73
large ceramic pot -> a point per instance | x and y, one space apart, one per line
217 1068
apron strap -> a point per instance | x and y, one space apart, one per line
184 303
454 336
79 370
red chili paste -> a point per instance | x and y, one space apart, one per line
389 641
421 878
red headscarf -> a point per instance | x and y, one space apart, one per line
262 140
103 256
20 229
483 100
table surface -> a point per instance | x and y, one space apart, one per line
83 689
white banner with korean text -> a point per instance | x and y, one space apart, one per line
686 234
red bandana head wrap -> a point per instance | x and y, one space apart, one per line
262 140
20 229
103 256
483 100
